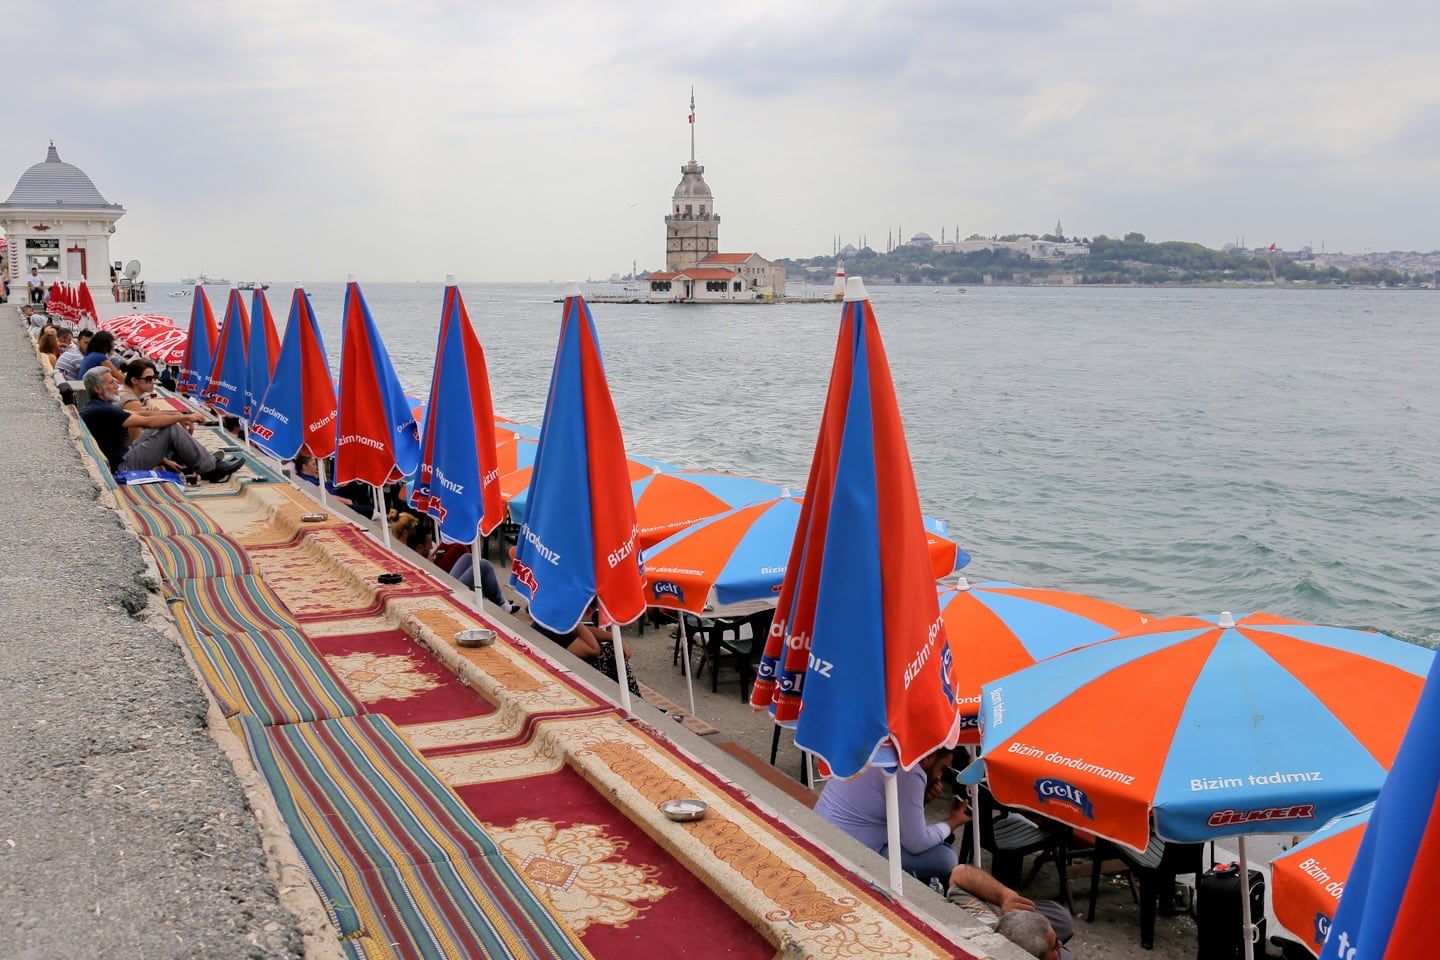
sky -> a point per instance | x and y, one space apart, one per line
311 139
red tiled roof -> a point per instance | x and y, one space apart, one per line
701 273
729 257
662 276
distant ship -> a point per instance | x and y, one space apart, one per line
249 285
202 280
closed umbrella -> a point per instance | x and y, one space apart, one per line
200 346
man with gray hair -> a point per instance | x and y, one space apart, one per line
1030 932
165 442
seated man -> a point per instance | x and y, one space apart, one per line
994 904
68 365
164 443
857 806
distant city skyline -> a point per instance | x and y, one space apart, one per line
404 142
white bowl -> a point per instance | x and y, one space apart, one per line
479 637
685 809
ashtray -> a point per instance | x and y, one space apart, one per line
389 578
313 517
685 810
479 637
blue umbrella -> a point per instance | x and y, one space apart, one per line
458 450
858 657
377 439
261 352
299 406
1385 912
199 346
578 542
229 375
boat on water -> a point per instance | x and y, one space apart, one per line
203 280
250 285
178 293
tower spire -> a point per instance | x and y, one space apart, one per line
692 124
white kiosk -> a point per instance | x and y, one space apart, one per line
56 221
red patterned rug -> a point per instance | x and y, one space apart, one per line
393 675
611 883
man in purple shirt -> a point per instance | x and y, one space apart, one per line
857 806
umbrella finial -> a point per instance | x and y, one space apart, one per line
961 583
450 280
855 289
349 278
571 290
1227 619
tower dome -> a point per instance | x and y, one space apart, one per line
692 183
53 184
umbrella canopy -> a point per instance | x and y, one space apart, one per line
507 430
262 349
515 486
85 304
199 347
230 371
858 635
1306 881
666 503
165 346
578 540
299 408
378 438
1385 911
1255 724
998 628
734 557
459 480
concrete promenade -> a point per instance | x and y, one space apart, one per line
124 831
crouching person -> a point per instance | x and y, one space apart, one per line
164 441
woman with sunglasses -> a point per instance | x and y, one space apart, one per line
137 390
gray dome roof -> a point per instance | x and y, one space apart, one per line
54 183
692 184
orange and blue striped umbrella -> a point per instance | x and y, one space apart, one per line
997 628
666 503
1215 728
1306 881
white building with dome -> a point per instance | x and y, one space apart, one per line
57 221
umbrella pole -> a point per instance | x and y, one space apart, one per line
1247 928
622 670
974 792
475 574
320 469
685 652
384 516
892 830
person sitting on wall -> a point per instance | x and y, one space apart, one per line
49 347
464 571
164 442
99 356
857 806
1040 927
37 286
68 366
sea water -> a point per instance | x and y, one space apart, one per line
1174 450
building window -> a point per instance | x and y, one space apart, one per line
702 209
737 286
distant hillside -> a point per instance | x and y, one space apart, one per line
1102 260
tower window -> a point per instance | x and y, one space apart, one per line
702 209
687 208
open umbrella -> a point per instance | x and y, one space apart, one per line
858 657
997 628
577 544
1306 881
261 352
666 503
515 486
1387 907
230 371
299 408
165 346
199 347
378 438
1222 728
459 482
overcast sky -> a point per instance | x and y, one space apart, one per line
308 139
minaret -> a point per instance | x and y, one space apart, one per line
692 228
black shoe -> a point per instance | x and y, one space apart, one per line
224 466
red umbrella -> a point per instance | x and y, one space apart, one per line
86 303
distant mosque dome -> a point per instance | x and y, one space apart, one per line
55 184
922 239
692 183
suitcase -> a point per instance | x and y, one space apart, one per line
1217 912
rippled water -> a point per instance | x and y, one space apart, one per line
1178 451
